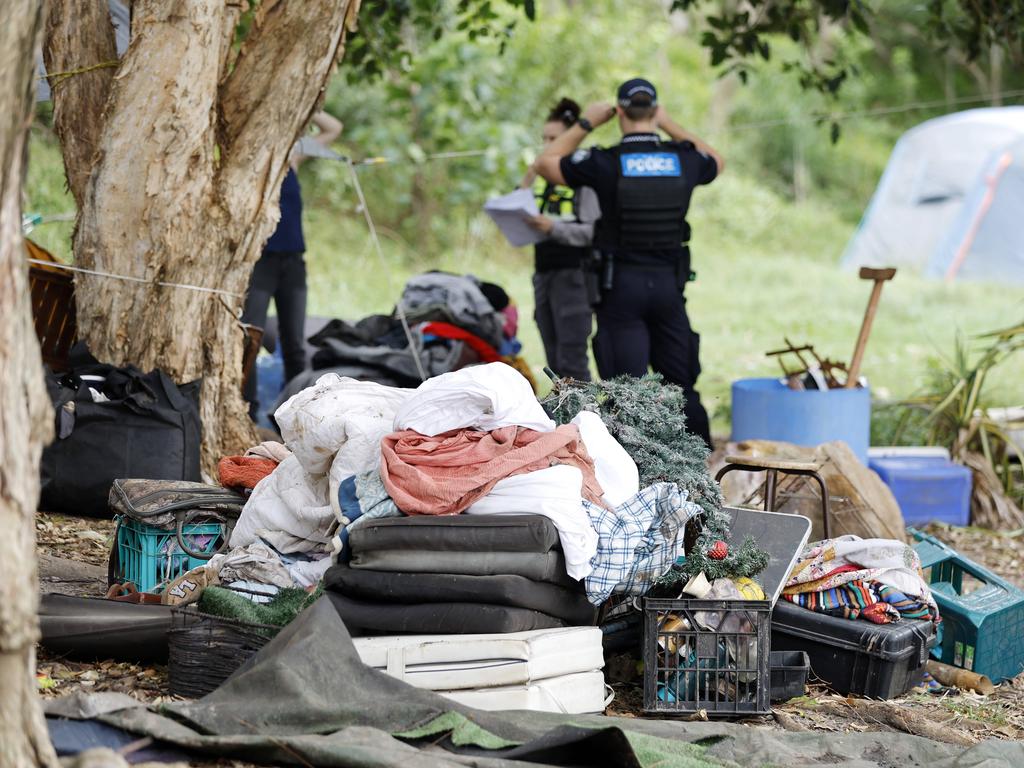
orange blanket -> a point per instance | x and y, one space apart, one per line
445 474
244 471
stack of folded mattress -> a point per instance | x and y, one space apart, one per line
548 670
460 574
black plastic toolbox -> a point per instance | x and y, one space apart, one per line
880 661
788 674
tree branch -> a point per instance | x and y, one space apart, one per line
272 92
79 34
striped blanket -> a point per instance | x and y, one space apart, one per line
870 600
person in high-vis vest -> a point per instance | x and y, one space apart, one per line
564 287
643 185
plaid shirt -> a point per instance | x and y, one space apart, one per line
638 541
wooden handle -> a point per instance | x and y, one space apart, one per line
867 273
862 337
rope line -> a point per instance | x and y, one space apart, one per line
413 350
62 76
839 117
381 160
130 279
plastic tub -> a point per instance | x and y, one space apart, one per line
766 409
927 488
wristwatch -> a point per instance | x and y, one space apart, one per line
585 124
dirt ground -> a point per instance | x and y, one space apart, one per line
73 558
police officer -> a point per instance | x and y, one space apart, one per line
564 290
644 186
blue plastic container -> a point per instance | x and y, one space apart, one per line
269 373
927 488
149 556
766 409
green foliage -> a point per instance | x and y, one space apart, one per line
957 410
646 417
391 33
739 34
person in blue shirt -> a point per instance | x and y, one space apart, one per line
643 185
280 273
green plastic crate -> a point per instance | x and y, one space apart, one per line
982 629
150 557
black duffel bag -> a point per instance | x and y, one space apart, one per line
115 422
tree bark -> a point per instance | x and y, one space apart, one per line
24 425
79 35
185 182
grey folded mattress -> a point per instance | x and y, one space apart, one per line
370 618
545 566
457 533
568 604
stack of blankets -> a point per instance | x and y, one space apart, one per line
462 574
878 580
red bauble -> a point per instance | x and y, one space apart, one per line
719 550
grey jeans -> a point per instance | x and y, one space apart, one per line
563 312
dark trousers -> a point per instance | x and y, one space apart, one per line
642 322
564 316
281 277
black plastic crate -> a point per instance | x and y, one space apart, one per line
788 675
854 656
723 671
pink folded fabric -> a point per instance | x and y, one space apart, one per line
445 474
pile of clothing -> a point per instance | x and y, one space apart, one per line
455 321
878 580
548 516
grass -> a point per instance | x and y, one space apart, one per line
767 268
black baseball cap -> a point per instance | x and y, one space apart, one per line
637 93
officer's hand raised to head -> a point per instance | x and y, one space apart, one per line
599 113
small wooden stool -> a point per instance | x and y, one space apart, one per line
771 468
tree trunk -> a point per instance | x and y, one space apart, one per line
24 425
184 183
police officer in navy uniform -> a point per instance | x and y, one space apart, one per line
643 186
564 287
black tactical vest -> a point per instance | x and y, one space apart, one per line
652 199
559 203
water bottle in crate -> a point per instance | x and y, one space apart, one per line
710 655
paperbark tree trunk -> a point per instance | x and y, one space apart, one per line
24 425
184 179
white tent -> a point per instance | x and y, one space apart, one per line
951 200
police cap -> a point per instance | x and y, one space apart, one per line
637 93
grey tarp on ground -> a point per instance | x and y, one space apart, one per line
307 699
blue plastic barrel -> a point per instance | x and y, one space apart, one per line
766 409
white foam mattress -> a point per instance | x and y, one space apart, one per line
463 662
578 694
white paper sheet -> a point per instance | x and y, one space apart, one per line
510 211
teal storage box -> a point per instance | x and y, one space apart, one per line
150 556
982 627
927 488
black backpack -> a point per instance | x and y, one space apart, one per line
115 422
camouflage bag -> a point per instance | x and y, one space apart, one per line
174 504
